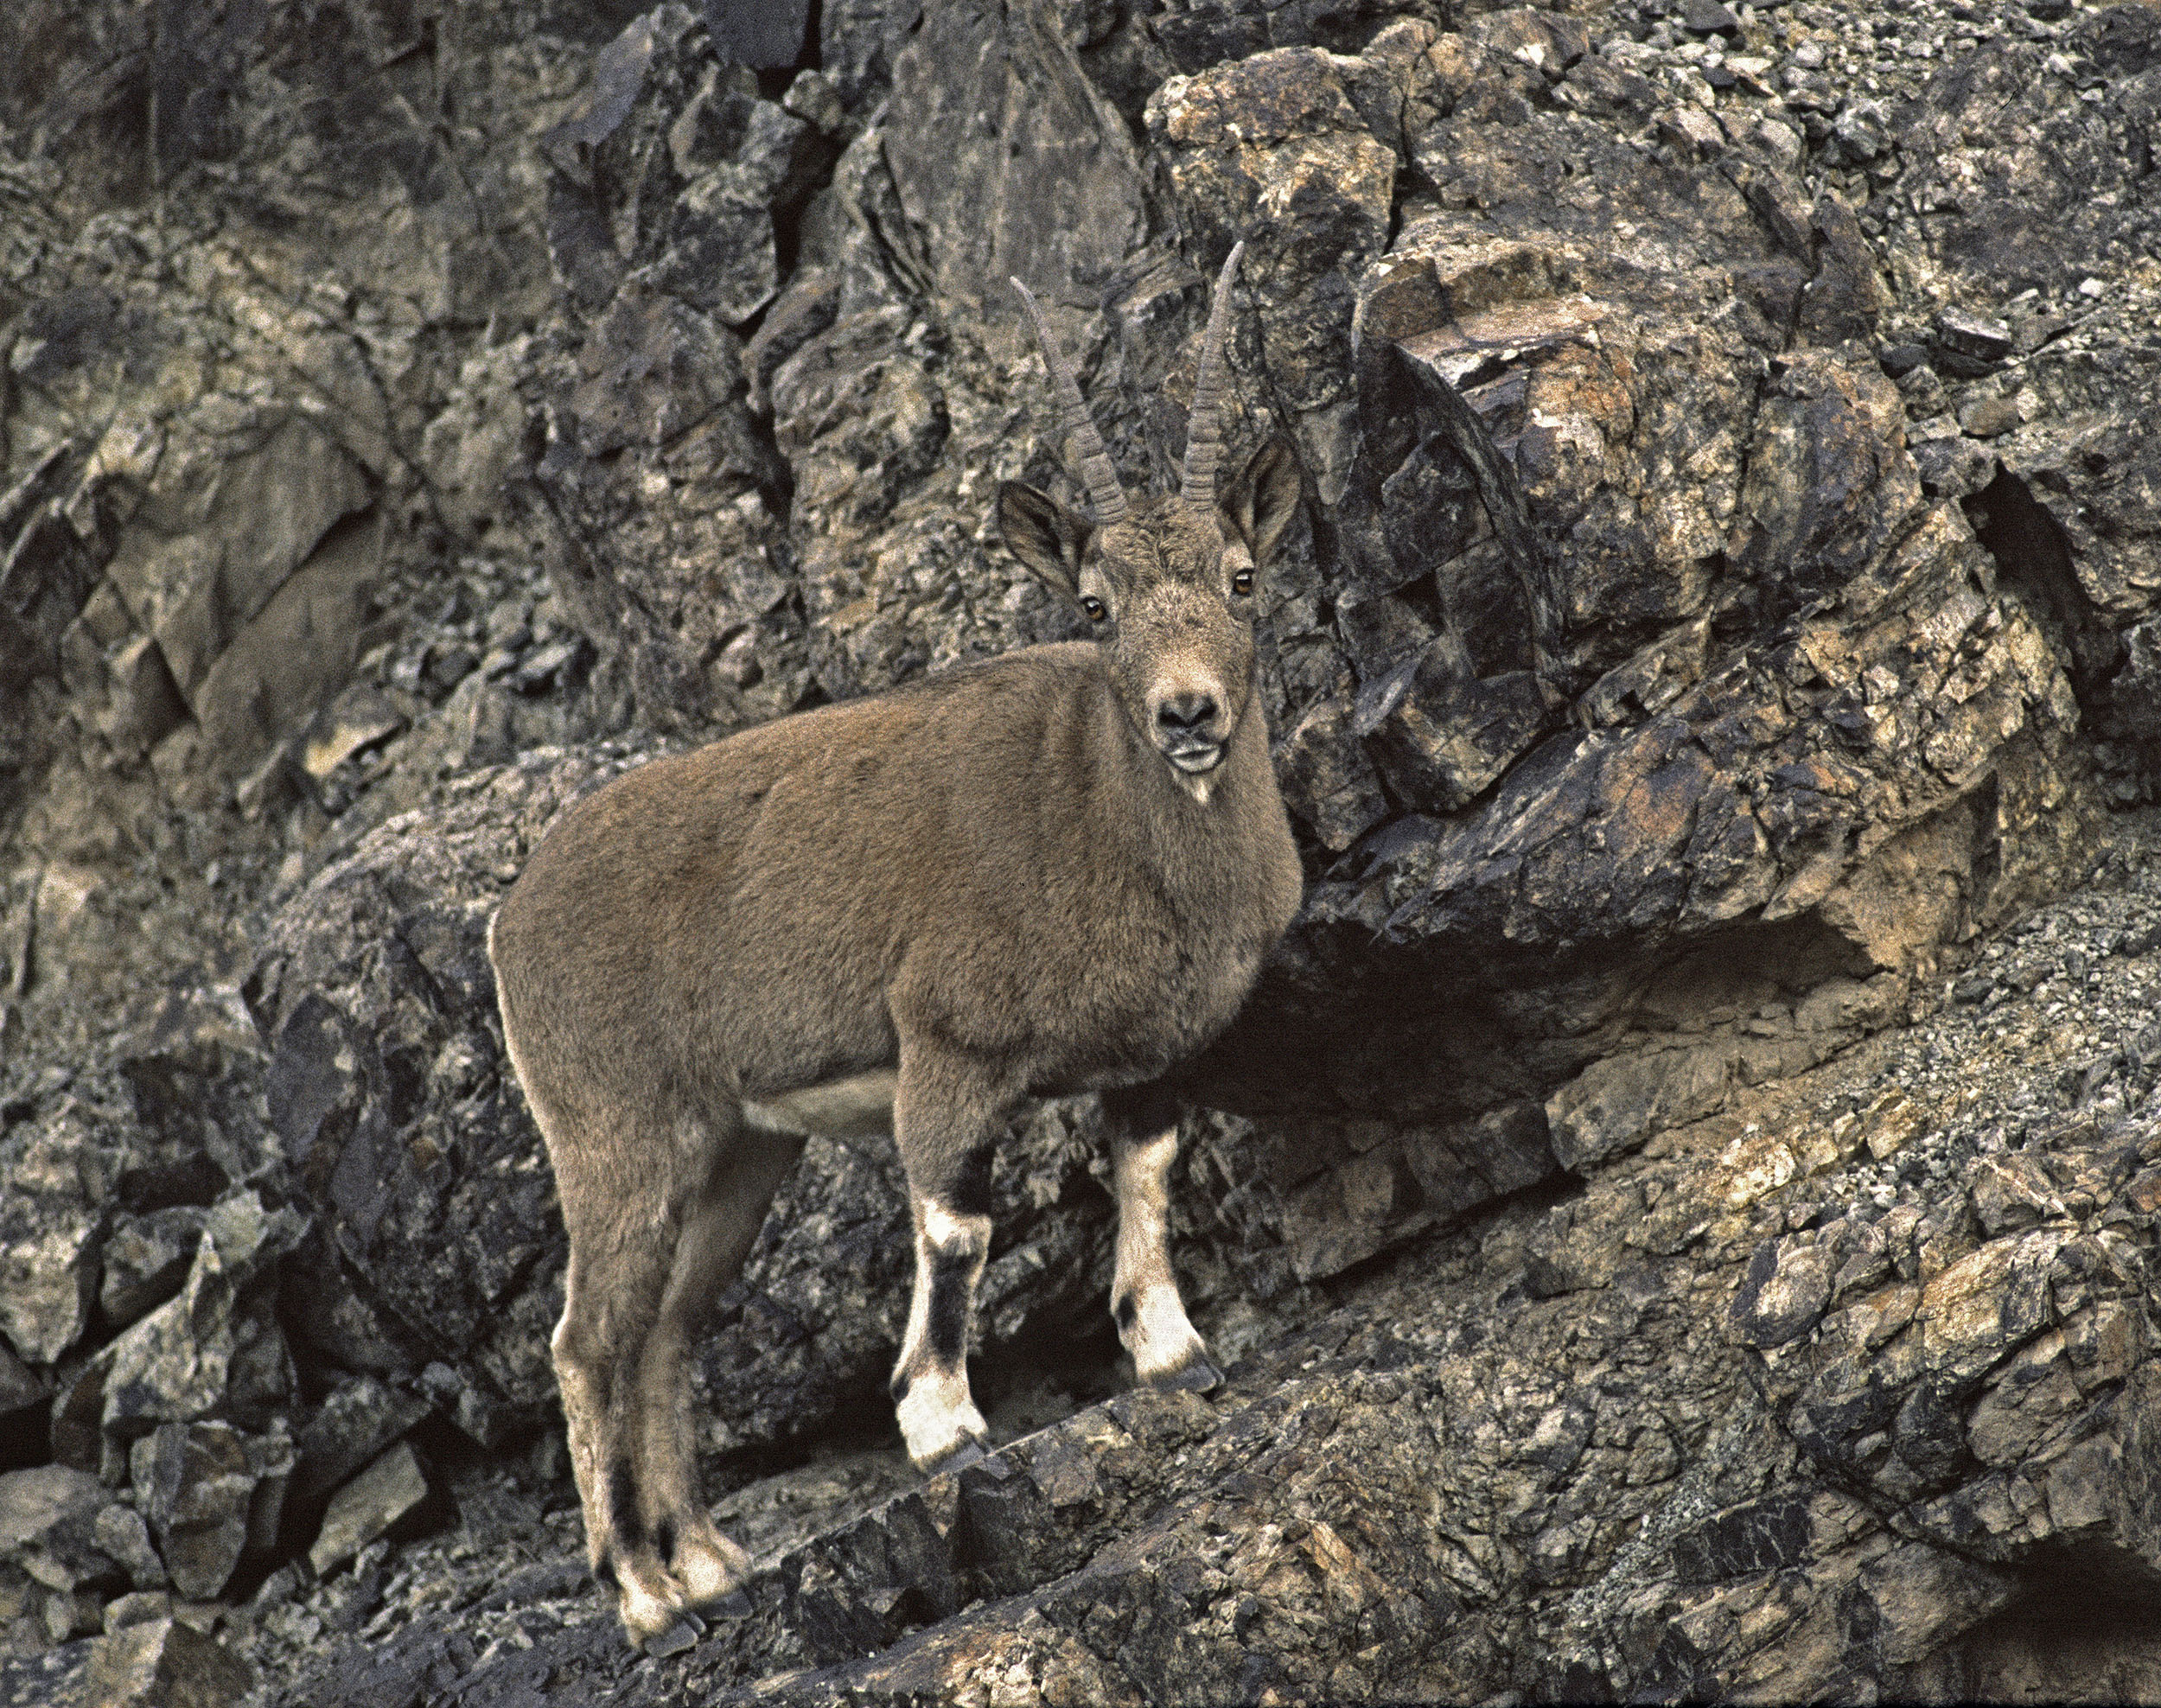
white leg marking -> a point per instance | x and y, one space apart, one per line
937 1414
1154 1326
710 1566
948 1232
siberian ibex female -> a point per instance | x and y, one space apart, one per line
1055 871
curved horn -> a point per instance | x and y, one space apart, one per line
1103 491
1204 427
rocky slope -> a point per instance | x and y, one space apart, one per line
1681 1212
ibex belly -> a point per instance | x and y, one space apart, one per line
854 1106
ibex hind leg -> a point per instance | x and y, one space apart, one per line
719 1230
611 1295
623 1252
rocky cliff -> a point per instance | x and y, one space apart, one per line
1679 1203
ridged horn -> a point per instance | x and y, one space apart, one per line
1103 491
1204 425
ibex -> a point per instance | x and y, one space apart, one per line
1055 871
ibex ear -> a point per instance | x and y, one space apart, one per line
1043 534
1264 497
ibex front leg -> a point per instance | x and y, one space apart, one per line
947 1112
1167 1352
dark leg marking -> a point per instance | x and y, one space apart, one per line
1123 1313
966 1189
664 1540
623 1498
947 1327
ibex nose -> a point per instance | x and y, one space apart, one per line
1188 711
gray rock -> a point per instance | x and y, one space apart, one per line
1969 345
198 1485
374 1502
1055 197
146 1259
241 497
121 1533
48 1527
163 1663
1953 468
1787 1287
214 1351
435 1231
48 1283
356 1421
1442 736
1707 18
1615 1105
141 1608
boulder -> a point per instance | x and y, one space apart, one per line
213 1352
212 1494
356 1421
163 1663
146 1260
54 1567
387 1492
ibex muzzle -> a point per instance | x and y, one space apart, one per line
1053 872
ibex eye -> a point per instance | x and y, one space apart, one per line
1242 582
1094 607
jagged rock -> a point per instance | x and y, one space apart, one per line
214 1351
146 1259
372 1504
121 1533
52 1567
62 1169
242 497
2061 204
1047 190
141 1608
435 1237
163 1663
357 1421
1280 133
188 1070
48 1281
212 1494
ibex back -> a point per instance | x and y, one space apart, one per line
1053 872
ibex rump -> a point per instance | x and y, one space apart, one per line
1052 872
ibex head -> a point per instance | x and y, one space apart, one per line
1170 584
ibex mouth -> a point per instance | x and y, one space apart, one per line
1194 761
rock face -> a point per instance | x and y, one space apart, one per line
1820 1393
1728 599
